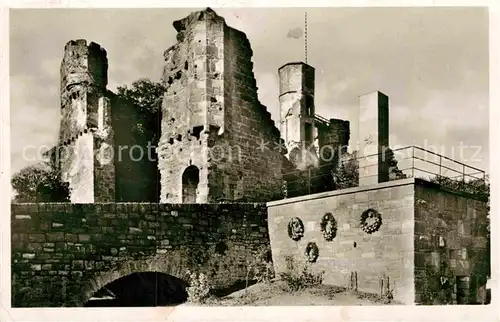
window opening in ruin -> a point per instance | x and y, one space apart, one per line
179 137
170 81
190 180
100 114
197 131
308 132
171 141
178 75
213 99
186 65
309 105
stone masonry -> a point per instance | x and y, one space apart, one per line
94 158
373 138
218 141
64 253
429 249
85 124
297 114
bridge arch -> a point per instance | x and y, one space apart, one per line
167 264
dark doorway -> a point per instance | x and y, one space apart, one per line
141 289
190 180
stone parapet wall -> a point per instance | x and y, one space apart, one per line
387 252
63 253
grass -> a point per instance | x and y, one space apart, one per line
278 294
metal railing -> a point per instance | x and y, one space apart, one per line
321 119
406 162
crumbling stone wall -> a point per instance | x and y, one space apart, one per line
212 118
63 253
387 252
333 137
451 255
85 124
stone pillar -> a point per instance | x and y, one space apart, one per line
373 138
297 122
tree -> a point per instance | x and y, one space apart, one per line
347 173
40 183
146 96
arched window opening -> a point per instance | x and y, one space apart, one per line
144 289
190 180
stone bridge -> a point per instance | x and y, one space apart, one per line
63 254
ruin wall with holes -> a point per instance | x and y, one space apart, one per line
431 246
64 253
212 118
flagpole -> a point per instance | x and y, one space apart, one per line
305 36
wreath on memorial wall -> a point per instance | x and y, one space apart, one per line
312 252
328 226
295 228
370 221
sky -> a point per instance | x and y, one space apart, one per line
431 62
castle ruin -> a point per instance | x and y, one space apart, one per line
412 240
218 142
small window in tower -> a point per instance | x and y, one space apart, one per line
197 131
309 105
100 114
308 132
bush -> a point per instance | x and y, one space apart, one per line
199 288
260 266
297 280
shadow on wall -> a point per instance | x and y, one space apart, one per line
140 290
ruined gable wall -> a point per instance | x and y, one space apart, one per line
254 164
211 87
184 124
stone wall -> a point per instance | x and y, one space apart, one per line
387 252
211 117
63 253
333 137
451 254
256 167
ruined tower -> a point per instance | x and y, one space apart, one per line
85 148
217 141
297 116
